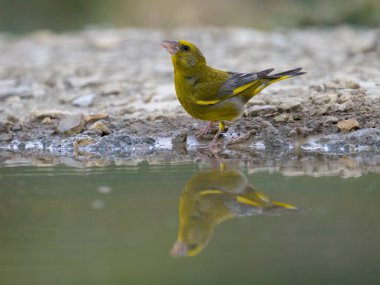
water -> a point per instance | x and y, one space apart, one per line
120 224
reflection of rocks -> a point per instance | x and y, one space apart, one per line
320 166
212 197
366 141
179 137
287 163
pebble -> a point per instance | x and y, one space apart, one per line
351 85
321 98
323 109
13 119
344 97
332 85
331 119
259 110
54 114
72 124
83 140
289 104
6 137
84 101
348 105
20 91
284 117
16 127
179 137
95 117
147 97
100 127
113 88
333 97
46 121
82 82
348 125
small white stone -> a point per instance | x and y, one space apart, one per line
84 101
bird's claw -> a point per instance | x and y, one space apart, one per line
203 132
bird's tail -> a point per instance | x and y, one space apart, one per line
269 79
285 206
284 75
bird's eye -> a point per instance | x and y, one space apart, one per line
185 48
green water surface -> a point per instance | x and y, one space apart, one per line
118 224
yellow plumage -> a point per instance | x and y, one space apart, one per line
214 95
212 197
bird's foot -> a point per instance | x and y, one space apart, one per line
214 145
215 148
204 131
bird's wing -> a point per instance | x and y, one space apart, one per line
236 83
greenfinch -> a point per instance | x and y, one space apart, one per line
212 197
214 95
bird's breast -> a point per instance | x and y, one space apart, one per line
229 109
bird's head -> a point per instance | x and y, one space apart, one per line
184 54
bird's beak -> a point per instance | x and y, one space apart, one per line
171 46
178 249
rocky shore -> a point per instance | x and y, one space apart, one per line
109 92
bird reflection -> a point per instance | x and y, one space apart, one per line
212 197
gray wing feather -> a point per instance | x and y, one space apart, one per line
235 80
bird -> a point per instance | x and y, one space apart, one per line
211 197
214 95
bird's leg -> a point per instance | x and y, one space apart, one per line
222 126
205 131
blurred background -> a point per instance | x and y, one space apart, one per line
20 16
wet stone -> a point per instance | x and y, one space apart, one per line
83 140
179 137
6 137
100 127
71 125
16 127
148 140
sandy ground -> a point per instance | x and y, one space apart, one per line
110 91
